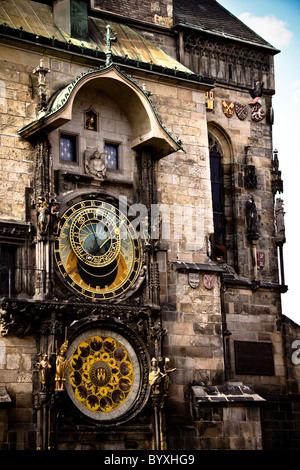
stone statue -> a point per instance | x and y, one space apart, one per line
95 164
61 365
45 371
257 90
279 221
252 216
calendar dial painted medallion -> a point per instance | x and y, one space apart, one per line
103 376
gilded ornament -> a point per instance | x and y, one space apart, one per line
61 366
101 374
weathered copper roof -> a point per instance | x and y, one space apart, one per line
31 16
149 129
211 17
37 18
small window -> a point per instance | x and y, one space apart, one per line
68 148
112 156
7 270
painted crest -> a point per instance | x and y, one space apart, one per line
194 280
209 281
257 113
241 111
228 108
261 260
209 100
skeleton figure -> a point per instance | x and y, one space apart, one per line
167 371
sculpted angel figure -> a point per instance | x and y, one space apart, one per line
95 164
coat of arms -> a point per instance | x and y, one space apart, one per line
194 280
228 108
241 111
209 281
257 113
261 260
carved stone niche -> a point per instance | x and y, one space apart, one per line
250 178
91 120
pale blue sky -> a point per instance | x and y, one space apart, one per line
278 22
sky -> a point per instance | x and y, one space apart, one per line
278 22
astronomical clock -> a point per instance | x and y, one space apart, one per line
98 257
97 251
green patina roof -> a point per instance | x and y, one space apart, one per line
61 97
36 19
32 22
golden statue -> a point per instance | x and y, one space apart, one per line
61 365
155 376
44 367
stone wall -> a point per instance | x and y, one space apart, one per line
157 12
280 417
253 316
232 427
17 378
16 109
243 142
192 316
291 332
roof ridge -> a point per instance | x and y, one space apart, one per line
211 17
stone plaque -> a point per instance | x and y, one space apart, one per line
253 358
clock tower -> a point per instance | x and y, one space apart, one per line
141 236
98 142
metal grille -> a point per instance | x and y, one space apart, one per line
18 282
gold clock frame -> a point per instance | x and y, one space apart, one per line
111 276
103 381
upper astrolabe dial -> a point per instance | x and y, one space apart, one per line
97 250
95 236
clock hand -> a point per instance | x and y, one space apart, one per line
74 269
98 248
94 233
97 235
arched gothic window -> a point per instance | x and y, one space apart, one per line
216 176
